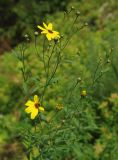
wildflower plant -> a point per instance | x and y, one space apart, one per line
34 107
62 131
48 30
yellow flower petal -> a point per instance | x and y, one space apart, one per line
29 103
49 37
44 32
55 32
36 99
41 28
50 26
34 113
45 26
29 109
41 109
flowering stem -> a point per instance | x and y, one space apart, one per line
52 75
50 59
44 55
23 69
94 76
72 90
115 70
35 45
70 37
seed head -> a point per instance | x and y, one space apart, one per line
27 37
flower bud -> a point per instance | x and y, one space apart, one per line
28 39
63 121
59 107
36 33
108 61
79 79
85 24
62 36
83 93
100 59
26 36
72 8
111 49
77 13
20 65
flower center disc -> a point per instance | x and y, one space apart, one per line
50 31
37 105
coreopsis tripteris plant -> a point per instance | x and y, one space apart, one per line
34 107
49 32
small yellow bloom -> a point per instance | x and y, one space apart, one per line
59 107
83 93
48 30
99 148
34 107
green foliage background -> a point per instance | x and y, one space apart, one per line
96 128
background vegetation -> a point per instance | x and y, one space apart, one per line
95 136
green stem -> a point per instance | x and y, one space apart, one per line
94 75
70 37
48 65
52 75
35 45
115 70
44 55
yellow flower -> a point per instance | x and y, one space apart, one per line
99 148
83 93
59 107
34 107
48 30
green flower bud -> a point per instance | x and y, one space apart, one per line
86 24
36 33
108 61
62 36
77 13
72 8
79 79
26 36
